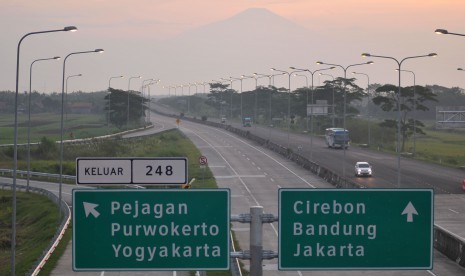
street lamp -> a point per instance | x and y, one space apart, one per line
109 99
344 107
29 120
231 99
270 78
368 102
311 113
289 74
129 86
15 142
255 77
239 79
62 109
414 112
443 31
334 106
66 92
398 103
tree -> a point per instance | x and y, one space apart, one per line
118 99
412 98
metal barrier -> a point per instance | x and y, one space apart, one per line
59 232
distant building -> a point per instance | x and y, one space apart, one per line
80 108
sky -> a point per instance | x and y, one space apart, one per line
138 38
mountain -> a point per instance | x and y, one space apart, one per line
252 41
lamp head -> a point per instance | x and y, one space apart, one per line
292 67
99 50
273 69
366 55
319 62
432 55
70 29
57 58
370 62
460 69
441 31
79 75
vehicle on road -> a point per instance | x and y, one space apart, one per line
223 120
337 137
363 169
247 122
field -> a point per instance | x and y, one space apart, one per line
49 125
170 144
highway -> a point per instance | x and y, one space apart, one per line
254 175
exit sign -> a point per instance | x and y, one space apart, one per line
357 229
158 229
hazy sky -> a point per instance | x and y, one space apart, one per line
131 31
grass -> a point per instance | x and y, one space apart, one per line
35 228
444 147
168 144
48 124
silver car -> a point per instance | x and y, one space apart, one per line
363 169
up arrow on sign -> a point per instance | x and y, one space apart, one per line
89 208
409 211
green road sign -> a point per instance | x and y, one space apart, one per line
336 229
151 229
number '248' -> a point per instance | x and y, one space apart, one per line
159 170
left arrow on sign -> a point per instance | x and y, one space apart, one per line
89 208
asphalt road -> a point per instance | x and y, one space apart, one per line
414 173
255 175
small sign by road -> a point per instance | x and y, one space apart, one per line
203 160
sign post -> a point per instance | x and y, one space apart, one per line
359 229
154 229
203 161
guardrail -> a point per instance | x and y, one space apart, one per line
59 232
37 174
445 242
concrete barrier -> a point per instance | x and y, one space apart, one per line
444 241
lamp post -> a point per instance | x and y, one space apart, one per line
414 112
270 78
443 31
399 63
29 120
344 107
368 102
289 74
109 99
231 99
66 93
311 113
255 77
239 79
15 138
62 109
142 95
129 86
334 106
306 102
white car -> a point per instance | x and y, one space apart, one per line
363 168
